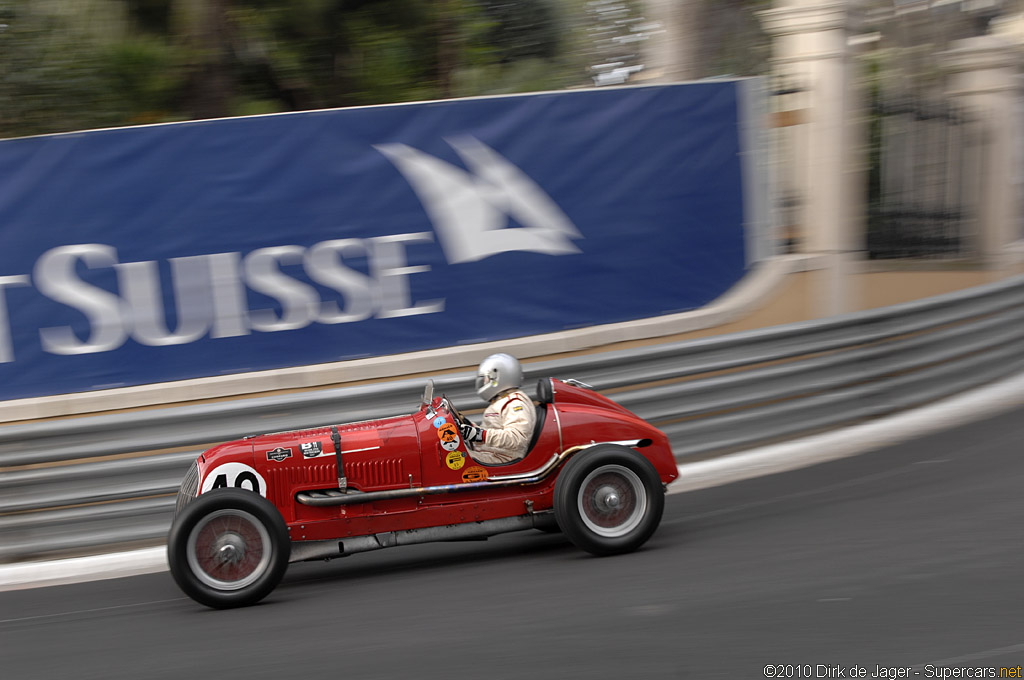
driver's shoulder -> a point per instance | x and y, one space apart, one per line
517 399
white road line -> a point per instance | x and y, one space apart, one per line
974 656
89 611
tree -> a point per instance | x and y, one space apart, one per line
93 63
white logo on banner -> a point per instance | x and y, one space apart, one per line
471 210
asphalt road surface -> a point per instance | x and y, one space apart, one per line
909 557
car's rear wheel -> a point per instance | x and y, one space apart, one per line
609 500
228 548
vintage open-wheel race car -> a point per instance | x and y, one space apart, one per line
247 508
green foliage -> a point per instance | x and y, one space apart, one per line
94 63
142 77
524 75
526 29
57 74
75 64
45 84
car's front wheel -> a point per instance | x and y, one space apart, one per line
609 500
228 548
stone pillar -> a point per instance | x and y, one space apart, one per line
811 53
982 77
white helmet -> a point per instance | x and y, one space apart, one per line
497 373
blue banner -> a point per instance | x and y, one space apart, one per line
148 254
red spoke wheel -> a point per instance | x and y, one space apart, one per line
228 548
609 499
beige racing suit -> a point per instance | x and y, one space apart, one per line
508 422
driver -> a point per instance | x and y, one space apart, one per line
509 417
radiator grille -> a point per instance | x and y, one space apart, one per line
187 491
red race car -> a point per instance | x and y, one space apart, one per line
249 507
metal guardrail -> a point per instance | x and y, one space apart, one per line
103 482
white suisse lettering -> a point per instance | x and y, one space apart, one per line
55 277
209 292
324 265
140 289
391 270
298 300
6 348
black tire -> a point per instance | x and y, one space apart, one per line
228 548
609 500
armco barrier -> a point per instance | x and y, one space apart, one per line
95 483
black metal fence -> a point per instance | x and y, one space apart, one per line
924 180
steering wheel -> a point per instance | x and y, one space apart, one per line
459 418
447 403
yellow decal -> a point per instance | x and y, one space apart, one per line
455 460
474 474
517 408
448 433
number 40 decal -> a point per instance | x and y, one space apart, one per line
236 475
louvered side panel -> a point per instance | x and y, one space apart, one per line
277 486
323 474
281 479
375 473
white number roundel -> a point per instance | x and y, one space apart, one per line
236 476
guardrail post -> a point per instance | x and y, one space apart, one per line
982 76
811 52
